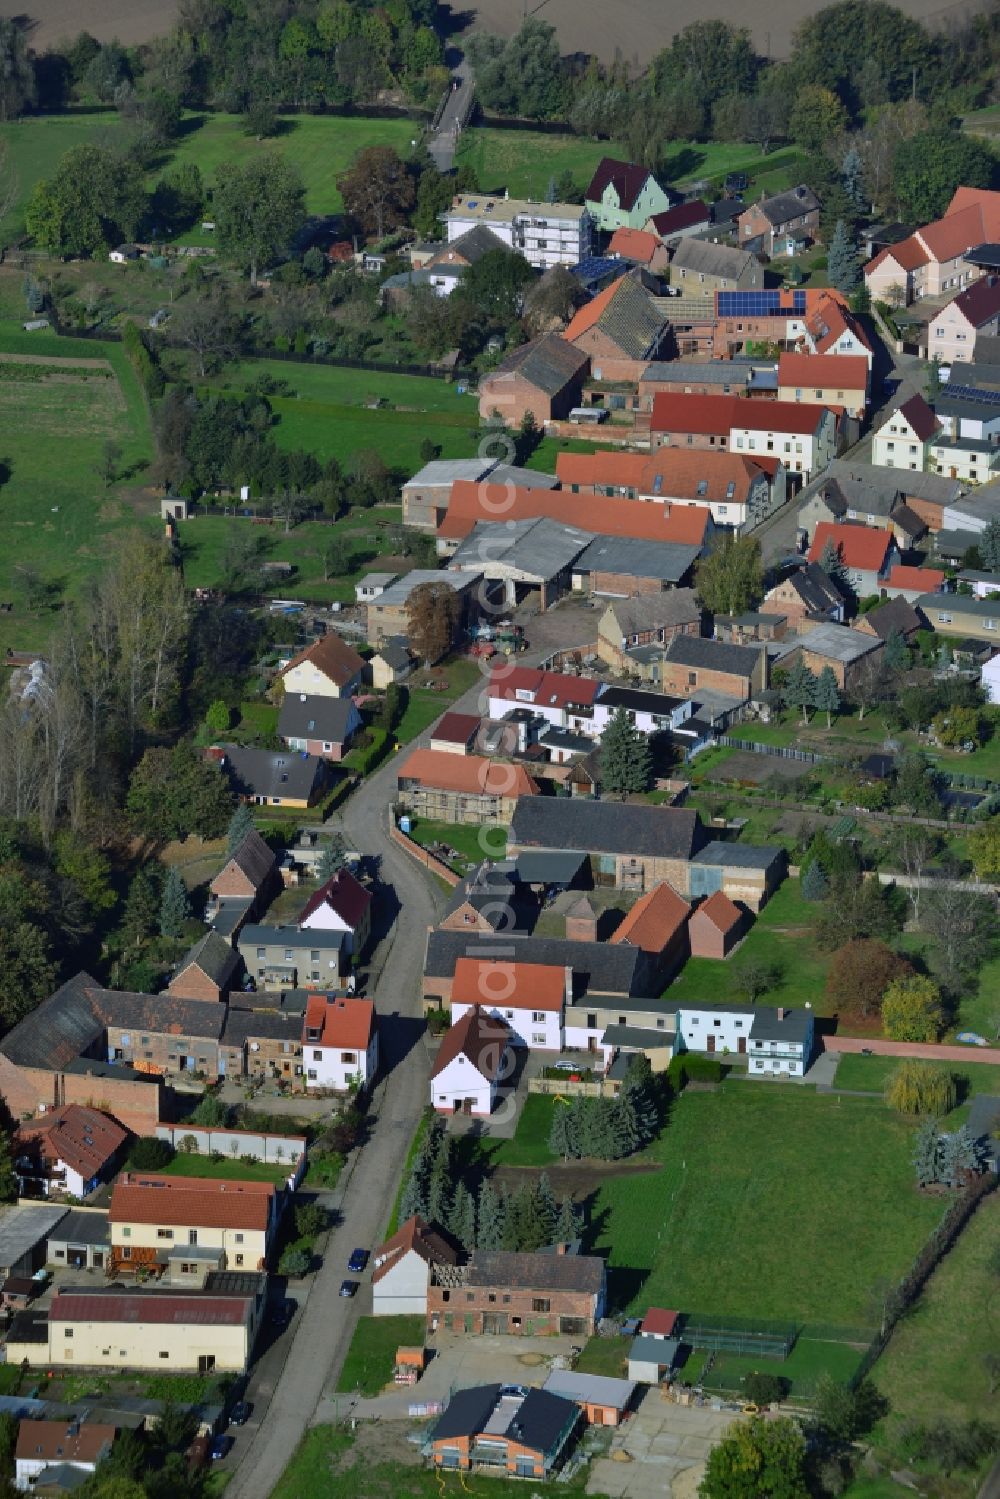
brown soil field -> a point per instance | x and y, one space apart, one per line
130 21
637 29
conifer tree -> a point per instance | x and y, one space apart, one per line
175 907
546 1208
561 1131
462 1218
832 564
852 174
842 260
490 1218
800 689
827 695
240 824
926 1151
626 759
897 653
815 885
568 1223
142 908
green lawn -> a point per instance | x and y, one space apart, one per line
56 516
782 936
709 1232
526 161
608 1356
870 1074
425 704
474 844
808 1359
530 1145
933 1365
226 1170
321 147
330 385
371 1357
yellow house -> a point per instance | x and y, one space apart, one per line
188 1222
95 1327
327 668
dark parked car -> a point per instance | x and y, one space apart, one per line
282 1314
348 1287
358 1261
221 1445
241 1413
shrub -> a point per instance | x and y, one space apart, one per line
295 1261
149 372
692 1068
765 1389
920 1088
310 1220
149 1154
911 1009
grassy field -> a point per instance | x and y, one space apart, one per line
870 1074
321 147
525 162
933 1365
473 844
226 1170
56 515
809 1358
781 936
371 1357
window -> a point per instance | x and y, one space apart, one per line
239 1259
317 1056
262 952
238 1238
164 1233
470 1296
164 1353
591 1022
491 1297
505 1300
539 1304
509 1014
126 1232
538 1017
68 1332
289 955
538 1038
314 955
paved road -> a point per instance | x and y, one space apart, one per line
444 142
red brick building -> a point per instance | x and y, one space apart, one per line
716 926
208 970
544 377
620 330
524 1295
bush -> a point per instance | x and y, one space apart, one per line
365 758
149 372
310 1220
149 1154
692 1068
295 1261
765 1389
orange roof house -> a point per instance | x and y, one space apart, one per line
655 922
472 503
621 324
346 1022
80 1142
329 667
639 246
932 260
864 550
669 474
912 580
513 986
466 774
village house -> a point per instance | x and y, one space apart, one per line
207 971
708 377
389 614
643 620
528 997
905 436
466 788
676 224
544 376
835 380
631 846
564 700
807 593
910 583
692 665
520 1294
503 1428
968 446
866 553
831 329
895 616
716 926
974 313
936 258
869 498
392 663
473 504
473 1059
155 1220
322 726
465 251
640 249
341 904
620 330
290 957
962 615
622 194
263 1044
327 668
401 1268
71 1150
779 224
271 779
249 876
53 1456
599 969
699 267
848 653
199 1332
603 1399
340 1043
649 712
803 437
546 234
427 494
734 488
777 1041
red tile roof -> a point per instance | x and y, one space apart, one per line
723 913
197 1202
472 774
830 319
343 894
667 472
63 1442
456 728
979 302
686 524
720 415
83 1138
518 986
634 244
419 1237
332 656
165 1309
863 547
654 920
684 216
824 371
480 1037
923 579
340 1022
628 179
592 312
551 689
950 237
658 1323
919 416
909 255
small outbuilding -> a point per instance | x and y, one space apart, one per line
122 254
602 1399
716 926
650 1359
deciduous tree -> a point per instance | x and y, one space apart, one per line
757 1459
378 190
927 169
93 200
859 974
984 849
911 1009
730 578
259 207
916 1088
432 615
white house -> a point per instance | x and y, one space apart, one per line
904 439
989 675
776 1041
52 1445
72 1149
565 701
402 1268
339 1043
342 904
528 997
649 712
804 437
974 313
546 234
327 668
473 1059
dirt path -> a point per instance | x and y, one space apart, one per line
56 359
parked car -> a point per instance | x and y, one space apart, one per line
241 1413
348 1287
358 1261
221 1446
281 1314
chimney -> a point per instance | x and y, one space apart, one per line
781 1012
560 1248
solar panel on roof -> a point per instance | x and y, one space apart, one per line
971 393
762 303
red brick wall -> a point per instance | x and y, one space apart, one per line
674 678
138 1105
231 883
512 396
192 983
623 583
706 939
929 511
459 1306
701 442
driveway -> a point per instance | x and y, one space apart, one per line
659 1453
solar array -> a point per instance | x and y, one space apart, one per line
971 393
759 303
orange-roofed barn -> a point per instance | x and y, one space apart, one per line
528 997
461 788
473 1060
641 248
657 924
688 525
867 552
339 1043
621 330
731 485
716 926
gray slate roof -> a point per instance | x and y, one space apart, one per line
296 937
656 611
631 319
447 470
816 589
549 363
254 857
794 1025
541 547
543 1272
894 614
719 372
59 1029
332 719
784 207
835 642
395 652
599 968
713 655
739 855
640 700
82 1227
708 259
472 245
214 956
669 561
259 772
272 1025
628 828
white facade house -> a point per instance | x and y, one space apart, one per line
803 437
340 1043
528 997
905 437
401 1268
649 712
974 313
564 701
45 1449
342 904
776 1041
473 1059
546 234
989 675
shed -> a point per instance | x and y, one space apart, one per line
174 507
23 1235
650 1358
602 1399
